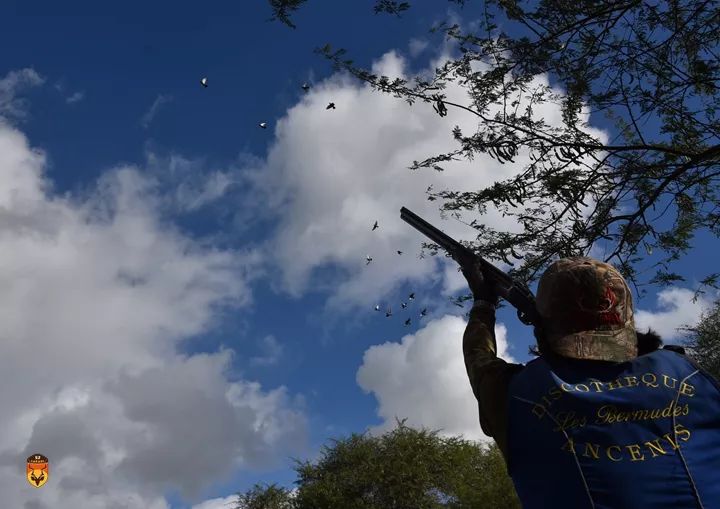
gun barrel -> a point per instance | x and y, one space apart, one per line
429 230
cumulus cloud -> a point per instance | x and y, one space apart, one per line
197 426
150 114
107 291
99 293
331 174
11 86
217 503
675 309
423 378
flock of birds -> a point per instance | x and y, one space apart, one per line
403 305
368 258
263 125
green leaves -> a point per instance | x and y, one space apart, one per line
503 151
390 7
403 469
703 339
281 10
266 497
639 192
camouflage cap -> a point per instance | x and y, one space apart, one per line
587 310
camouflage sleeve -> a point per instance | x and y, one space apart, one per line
489 375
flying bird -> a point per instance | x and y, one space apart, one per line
203 82
388 313
368 259
263 125
403 304
330 106
407 322
375 226
377 307
399 252
306 87
423 312
411 296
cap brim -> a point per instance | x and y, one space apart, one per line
618 345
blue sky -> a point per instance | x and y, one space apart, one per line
189 290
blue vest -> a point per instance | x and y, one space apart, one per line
600 435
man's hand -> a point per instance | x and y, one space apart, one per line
480 289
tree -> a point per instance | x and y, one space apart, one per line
402 469
703 341
281 10
650 67
405 469
265 497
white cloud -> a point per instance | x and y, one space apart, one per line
196 426
150 114
76 97
214 186
423 379
675 309
14 83
453 279
99 292
331 174
217 503
190 184
118 289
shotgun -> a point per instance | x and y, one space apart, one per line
515 292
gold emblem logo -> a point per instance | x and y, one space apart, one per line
37 470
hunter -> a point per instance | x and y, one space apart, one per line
603 418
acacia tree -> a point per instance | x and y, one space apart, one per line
404 468
703 341
650 67
265 497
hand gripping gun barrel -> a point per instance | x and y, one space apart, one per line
516 293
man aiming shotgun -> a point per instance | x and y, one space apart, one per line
602 418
